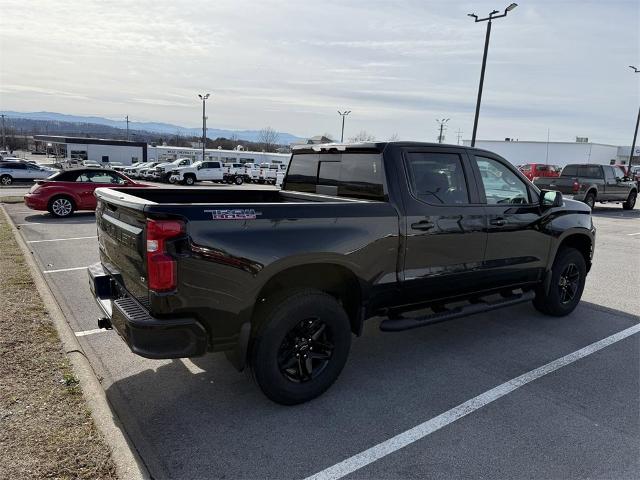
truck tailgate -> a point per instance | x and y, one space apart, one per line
564 185
121 244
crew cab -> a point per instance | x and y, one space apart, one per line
162 171
280 280
591 183
209 170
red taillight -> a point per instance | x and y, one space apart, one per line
161 268
576 186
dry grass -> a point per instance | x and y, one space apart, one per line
46 430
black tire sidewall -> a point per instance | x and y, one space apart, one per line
630 203
6 176
550 303
280 319
189 180
50 209
592 203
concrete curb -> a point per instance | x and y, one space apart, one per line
128 463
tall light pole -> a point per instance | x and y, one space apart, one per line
4 140
491 17
343 114
635 131
442 124
127 119
204 123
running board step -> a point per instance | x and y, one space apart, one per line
400 324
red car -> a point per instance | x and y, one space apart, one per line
65 192
533 170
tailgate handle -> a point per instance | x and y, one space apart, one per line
423 225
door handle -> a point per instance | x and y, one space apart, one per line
423 225
498 222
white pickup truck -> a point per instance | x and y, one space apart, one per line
191 174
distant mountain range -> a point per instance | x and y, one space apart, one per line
164 128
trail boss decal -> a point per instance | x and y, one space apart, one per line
234 214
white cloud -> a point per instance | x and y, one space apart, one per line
397 65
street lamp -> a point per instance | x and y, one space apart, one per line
204 123
493 15
343 114
635 131
442 124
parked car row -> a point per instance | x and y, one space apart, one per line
17 170
187 171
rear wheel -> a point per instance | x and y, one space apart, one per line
6 180
61 207
590 200
568 276
631 201
301 347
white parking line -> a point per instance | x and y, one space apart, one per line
90 332
408 437
30 223
65 270
633 233
60 239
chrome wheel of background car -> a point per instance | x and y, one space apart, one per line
61 207
6 180
568 283
305 351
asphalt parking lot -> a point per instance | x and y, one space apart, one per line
200 418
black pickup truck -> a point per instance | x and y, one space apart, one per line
591 183
281 279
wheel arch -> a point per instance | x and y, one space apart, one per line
334 279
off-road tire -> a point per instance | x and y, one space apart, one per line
551 302
630 203
279 318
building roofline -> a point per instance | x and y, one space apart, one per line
87 141
545 142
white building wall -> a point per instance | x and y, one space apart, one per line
559 153
116 153
225 156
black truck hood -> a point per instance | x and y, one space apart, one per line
575 205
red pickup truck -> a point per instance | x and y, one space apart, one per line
534 170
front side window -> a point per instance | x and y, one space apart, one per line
501 185
438 178
609 174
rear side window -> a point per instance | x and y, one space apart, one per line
437 178
590 171
352 175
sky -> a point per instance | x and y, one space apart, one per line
555 68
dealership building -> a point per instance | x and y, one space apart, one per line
97 149
559 153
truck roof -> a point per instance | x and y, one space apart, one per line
376 146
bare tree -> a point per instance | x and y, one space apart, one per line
394 138
268 139
363 136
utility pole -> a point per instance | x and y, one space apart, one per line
343 114
442 124
127 118
459 135
204 123
491 16
4 140
635 131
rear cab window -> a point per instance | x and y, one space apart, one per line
345 174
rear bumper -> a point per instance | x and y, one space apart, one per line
35 202
145 335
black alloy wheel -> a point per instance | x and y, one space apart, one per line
568 283
305 351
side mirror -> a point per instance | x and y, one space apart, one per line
550 198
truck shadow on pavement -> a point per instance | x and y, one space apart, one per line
217 423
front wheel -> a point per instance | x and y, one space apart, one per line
568 276
239 180
631 201
590 200
301 347
6 180
189 180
